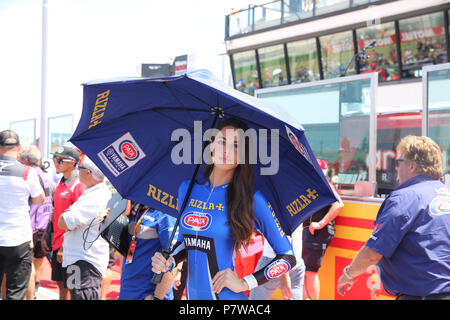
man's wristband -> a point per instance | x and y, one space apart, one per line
347 274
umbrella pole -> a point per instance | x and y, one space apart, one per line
157 277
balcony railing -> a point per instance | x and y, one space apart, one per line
280 12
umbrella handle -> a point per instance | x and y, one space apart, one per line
157 277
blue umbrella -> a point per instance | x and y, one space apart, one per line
147 136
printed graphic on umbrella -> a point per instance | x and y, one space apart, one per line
148 135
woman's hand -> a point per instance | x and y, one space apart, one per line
228 278
160 264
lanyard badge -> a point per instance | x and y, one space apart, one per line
132 248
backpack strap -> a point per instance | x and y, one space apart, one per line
26 169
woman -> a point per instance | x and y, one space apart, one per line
222 213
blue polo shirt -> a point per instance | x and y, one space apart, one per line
153 235
412 233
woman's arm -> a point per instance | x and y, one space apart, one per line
282 263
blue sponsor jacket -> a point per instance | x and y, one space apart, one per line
152 235
205 238
412 232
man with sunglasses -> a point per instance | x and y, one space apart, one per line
68 190
410 242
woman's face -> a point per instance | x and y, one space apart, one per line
225 148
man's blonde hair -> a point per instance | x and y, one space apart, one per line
425 152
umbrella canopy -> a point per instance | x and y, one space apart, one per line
146 135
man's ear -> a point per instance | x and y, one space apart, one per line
413 166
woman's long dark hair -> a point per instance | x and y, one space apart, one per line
239 192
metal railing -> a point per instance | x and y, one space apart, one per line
280 12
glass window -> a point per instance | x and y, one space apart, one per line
238 23
245 72
422 41
339 133
439 115
59 132
326 6
383 57
297 9
356 3
26 129
267 15
273 66
303 62
391 128
337 52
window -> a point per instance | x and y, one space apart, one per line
245 72
297 10
439 114
422 41
273 66
238 23
303 62
383 57
337 52
327 6
340 132
267 15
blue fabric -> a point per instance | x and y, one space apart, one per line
207 237
126 127
136 277
412 232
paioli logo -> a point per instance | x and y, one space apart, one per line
197 221
276 269
126 147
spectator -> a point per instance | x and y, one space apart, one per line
39 214
290 284
317 234
150 229
85 254
410 243
67 192
17 184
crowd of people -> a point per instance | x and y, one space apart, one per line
58 219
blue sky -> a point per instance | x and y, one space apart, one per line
96 39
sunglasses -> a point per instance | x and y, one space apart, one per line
397 161
61 160
81 167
